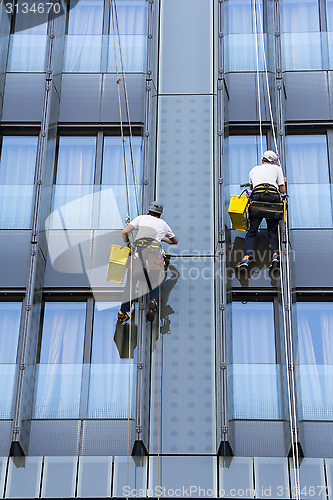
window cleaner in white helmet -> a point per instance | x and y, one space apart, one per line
151 231
266 181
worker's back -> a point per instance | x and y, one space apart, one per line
266 174
151 227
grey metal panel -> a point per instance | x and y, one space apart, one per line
242 104
5 436
80 98
183 419
312 250
258 438
185 170
23 98
317 439
186 52
54 437
136 97
174 472
307 96
69 257
106 437
14 251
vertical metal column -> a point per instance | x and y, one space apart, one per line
143 363
32 302
224 448
285 261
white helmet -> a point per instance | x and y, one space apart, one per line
271 157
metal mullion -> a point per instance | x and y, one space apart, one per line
330 154
322 15
99 158
88 331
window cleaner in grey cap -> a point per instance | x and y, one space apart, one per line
266 182
148 252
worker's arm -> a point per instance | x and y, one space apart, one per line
170 241
125 232
282 189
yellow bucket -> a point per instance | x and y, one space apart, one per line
236 211
117 263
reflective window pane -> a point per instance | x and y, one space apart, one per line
310 202
315 358
312 479
253 337
315 333
24 475
86 17
59 477
236 477
10 315
307 159
94 477
271 477
76 160
59 372
63 332
112 372
300 16
132 17
254 375
243 153
17 177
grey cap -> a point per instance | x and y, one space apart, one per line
156 207
271 157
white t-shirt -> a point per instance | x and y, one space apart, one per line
151 227
267 173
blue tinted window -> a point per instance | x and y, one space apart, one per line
315 333
17 177
18 159
132 17
86 18
63 332
76 160
240 16
253 337
113 171
300 16
244 153
307 159
10 315
254 375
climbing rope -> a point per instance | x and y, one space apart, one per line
159 392
134 172
120 116
288 337
257 74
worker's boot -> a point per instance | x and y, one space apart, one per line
275 260
244 265
122 317
152 310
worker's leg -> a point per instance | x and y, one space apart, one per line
130 281
272 226
250 238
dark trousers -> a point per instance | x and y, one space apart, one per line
138 274
272 226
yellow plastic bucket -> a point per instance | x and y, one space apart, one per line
117 263
236 212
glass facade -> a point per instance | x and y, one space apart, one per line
227 393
